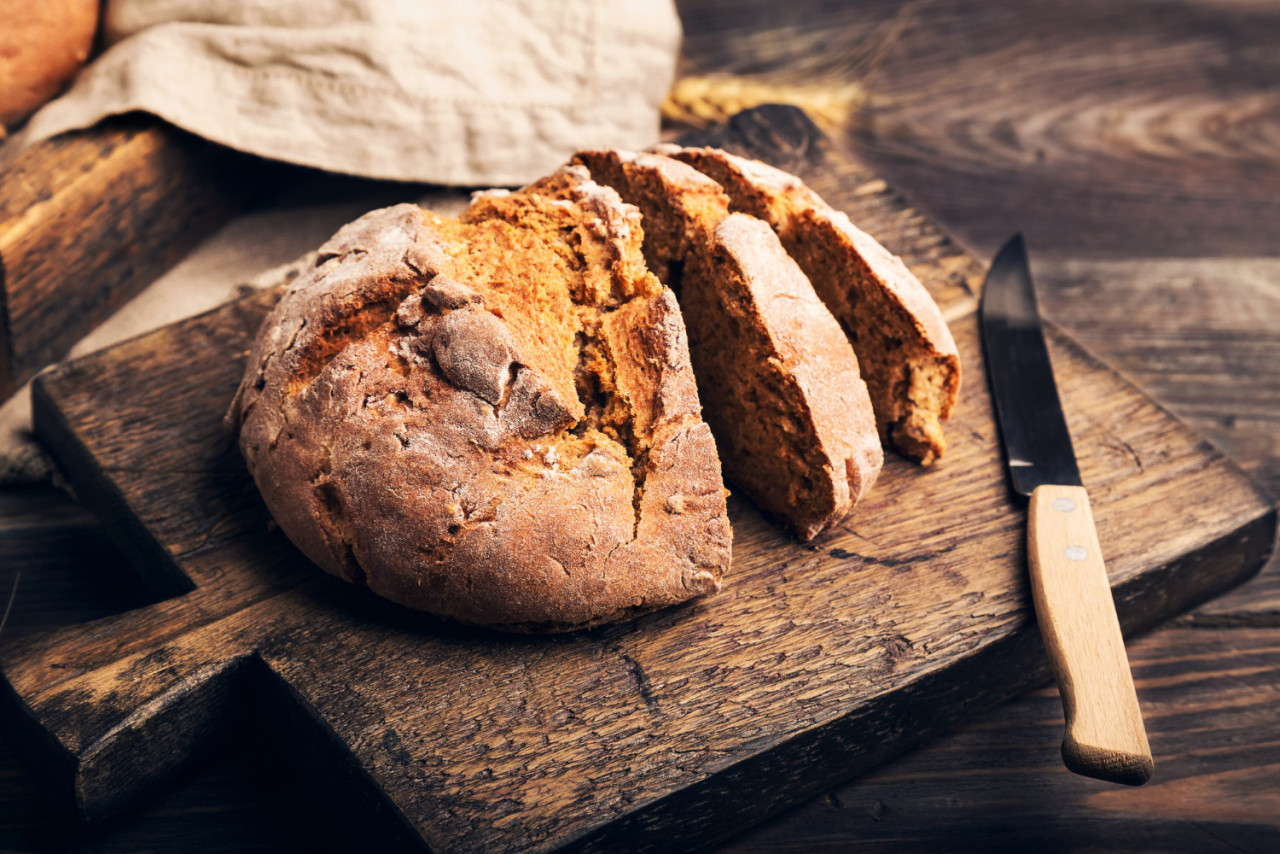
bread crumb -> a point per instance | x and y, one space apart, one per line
675 504
410 311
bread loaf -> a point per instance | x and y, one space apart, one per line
42 43
493 419
905 350
779 382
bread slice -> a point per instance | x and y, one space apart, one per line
778 379
493 419
905 350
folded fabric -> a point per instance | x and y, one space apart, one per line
461 92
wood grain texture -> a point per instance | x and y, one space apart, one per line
816 662
47 544
1202 336
89 218
996 783
1104 737
1098 129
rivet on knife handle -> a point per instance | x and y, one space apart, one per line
1105 737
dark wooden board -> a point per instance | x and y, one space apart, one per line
994 785
89 218
815 663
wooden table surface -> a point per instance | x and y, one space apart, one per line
1137 145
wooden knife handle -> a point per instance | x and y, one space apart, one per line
1105 737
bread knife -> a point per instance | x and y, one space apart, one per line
1105 737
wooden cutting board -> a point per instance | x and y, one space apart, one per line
816 662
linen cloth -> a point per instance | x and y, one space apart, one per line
462 92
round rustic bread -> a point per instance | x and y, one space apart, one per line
492 419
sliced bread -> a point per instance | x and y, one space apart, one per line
905 350
778 380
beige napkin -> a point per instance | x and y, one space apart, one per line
462 92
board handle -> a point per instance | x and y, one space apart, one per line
1105 737
101 717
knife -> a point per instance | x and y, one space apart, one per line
1104 736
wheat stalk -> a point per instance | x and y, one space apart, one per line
702 100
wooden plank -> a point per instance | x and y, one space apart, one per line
27 509
234 802
89 218
995 784
1099 129
995 778
817 661
1201 336
48 549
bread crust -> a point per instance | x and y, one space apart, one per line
407 434
909 357
778 379
41 45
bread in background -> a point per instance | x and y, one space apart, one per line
42 44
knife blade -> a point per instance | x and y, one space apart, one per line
1105 737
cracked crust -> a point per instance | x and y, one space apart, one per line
492 419
778 379
906 351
